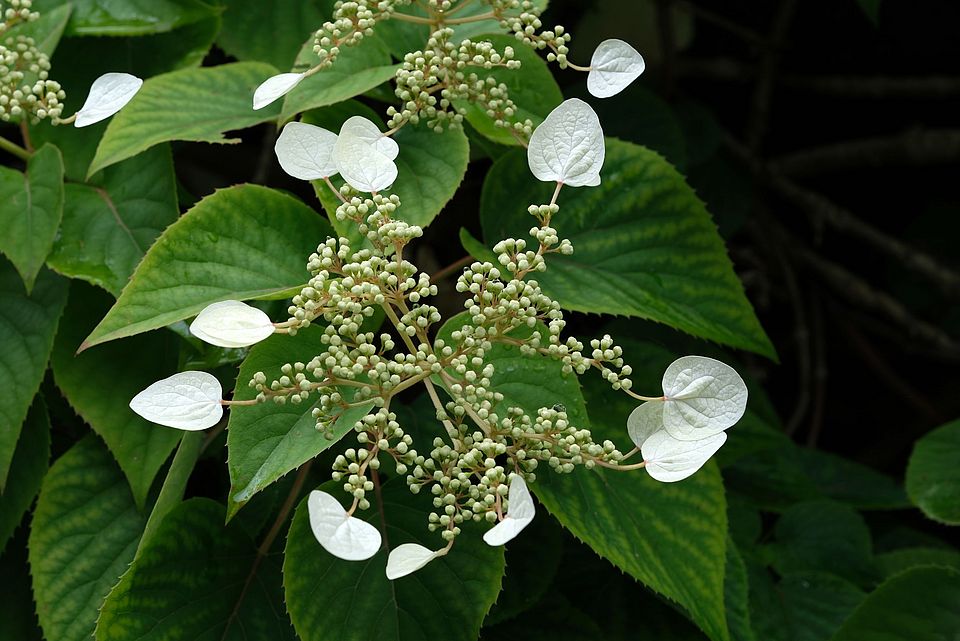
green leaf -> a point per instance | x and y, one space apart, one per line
360 604
736 596
851 483
644 245
174 485
816 604
247 23
357 69
45 30
430 168
100 382
129 17
266 441
84 533
872 9
531 87
197 580
18 621
241 242
31 206
27 327
824 536
196 105
30 462
933 476
896 561
670 536
109 225
919 605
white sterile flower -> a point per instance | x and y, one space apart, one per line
231 323
108 94
645 421
187 401
362 159
567 147
668 459
520 513
408 558
306 151
344 536
702 397
275 87
614 65
367 130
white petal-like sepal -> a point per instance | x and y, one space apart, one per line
408 558
704 397
306 151
615 64
567 147
520 513
231 323
275 87
645 421
187 401
344 536
362 159
108 94
669 459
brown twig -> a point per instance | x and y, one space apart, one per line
450 269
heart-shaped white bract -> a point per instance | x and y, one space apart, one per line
108 94
520 513
360 158
567 147
645 421
187 401
306 151
614 65
703 397
275 87
368 131
344 536
668 459
231 323
408 558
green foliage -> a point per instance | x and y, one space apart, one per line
239 243
17 617
84 533
398 610
197 579
100 382
645 246
221 98
47 29
289 23
31 206
131 17
28 325
27 469
933 476
109 224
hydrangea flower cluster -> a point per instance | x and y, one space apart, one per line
476 469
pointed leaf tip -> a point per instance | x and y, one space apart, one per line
186 401
108 94
614 65
231 323
344 536
568 146
275 87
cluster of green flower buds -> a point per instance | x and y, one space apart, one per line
352 21
26 90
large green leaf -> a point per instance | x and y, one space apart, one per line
896 561
816 604
27 327
197 105
268 440
736 588
933 475
31 206
430 168
174 485
670 536
100 382
197 579
238 243
130 17
917 605
109 224
644 245
84 533
357 69
531 87
361 604
30 462
270 32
